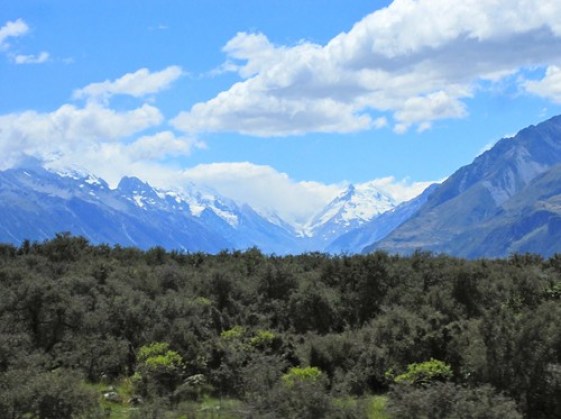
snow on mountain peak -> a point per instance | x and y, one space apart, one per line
191 199
354 206
77 173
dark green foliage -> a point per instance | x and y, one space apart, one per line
57 394
239 321
301 395
449 401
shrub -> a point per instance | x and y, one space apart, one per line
159 370
449 401
301 375
425 372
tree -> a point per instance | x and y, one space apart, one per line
57 394
159 370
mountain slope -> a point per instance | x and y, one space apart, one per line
529 222
477 193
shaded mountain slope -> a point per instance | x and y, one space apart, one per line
478 194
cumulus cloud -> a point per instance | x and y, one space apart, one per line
12 29
548 87
162 145
112 161
108 142
138 84
254 113
15 29
400 190
415 60
41 58
67 130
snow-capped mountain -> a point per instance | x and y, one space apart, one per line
36 203
193 201
355 206
380 226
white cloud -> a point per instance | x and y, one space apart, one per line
112 161
108 142
548 87
249 112
68 130
43 57
93 138
255 49
158 27
417 60
138 84
161 145
15 29
400 190
421 110
12 29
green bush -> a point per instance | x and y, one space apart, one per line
159 370
301 375
425 372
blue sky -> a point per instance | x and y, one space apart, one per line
279 103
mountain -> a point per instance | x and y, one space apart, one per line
530 222
36 203
487 208
354 207
379 227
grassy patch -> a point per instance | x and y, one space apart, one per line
116 410
213 408
377 408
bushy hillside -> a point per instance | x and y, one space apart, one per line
296 336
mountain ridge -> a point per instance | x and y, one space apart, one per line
507 200
476 193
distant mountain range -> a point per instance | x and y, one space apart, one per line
36 203
508 200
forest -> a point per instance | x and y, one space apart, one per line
95 331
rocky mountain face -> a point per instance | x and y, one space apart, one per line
505 201
530 222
